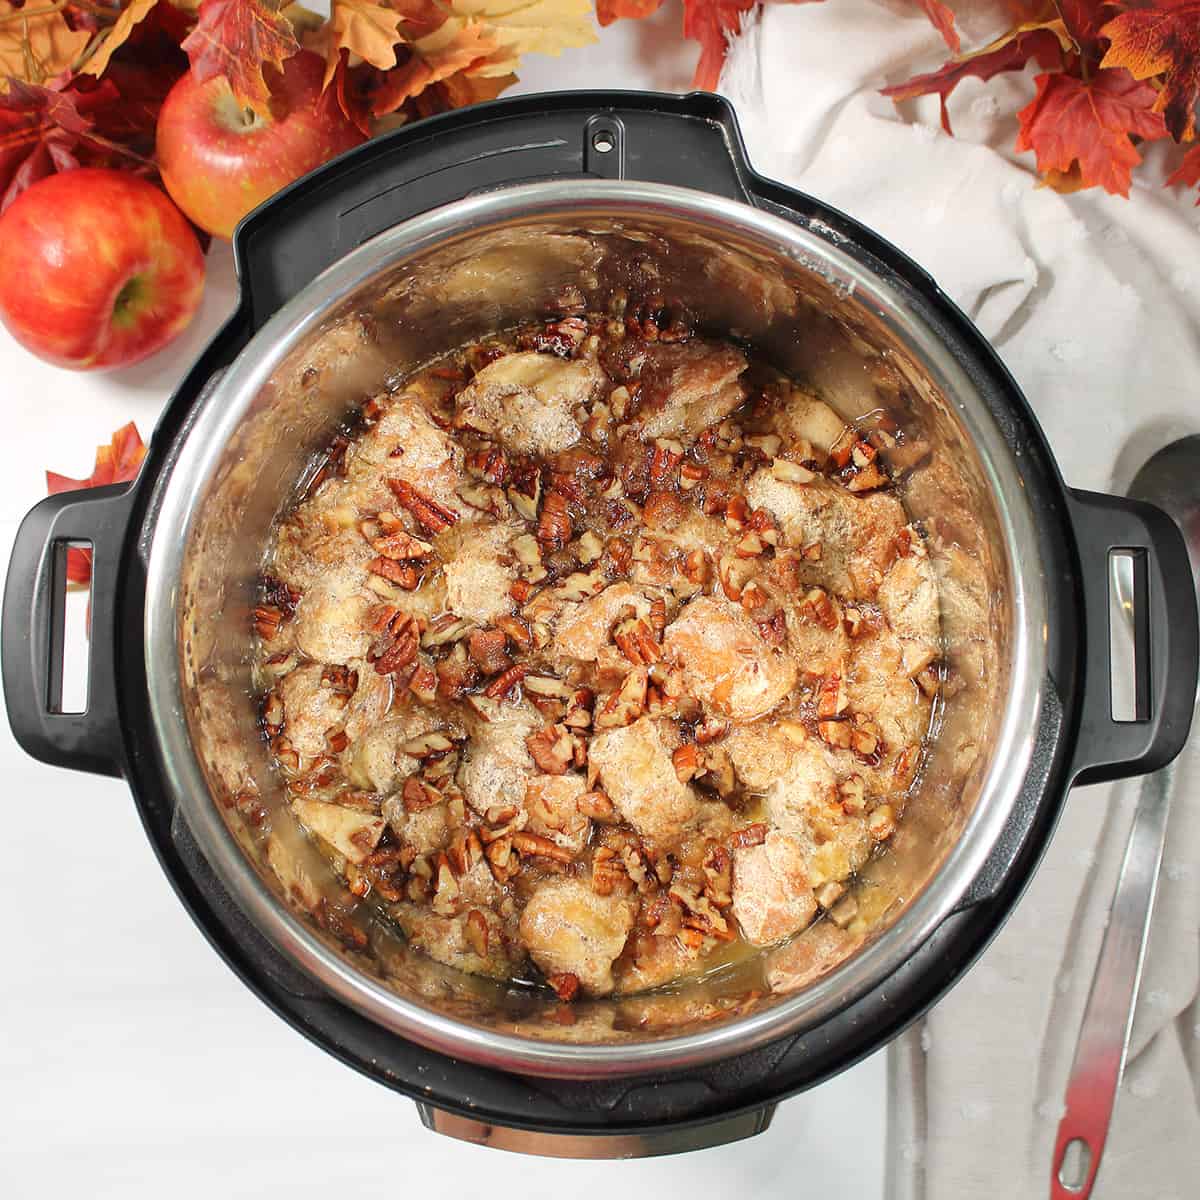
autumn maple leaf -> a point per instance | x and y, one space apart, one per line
1041 43
608 11
1163 40
1187 174
118 34
364 28
237 39
38 44
118 462
440 55
47 129
1089 124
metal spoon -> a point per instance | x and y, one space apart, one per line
1171 480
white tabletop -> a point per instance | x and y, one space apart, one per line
133 1063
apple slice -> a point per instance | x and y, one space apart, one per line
350 831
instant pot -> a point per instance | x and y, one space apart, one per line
481 219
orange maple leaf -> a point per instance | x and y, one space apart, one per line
1187 174
1090 123
942 19
236 39
431 60
118 462
1164 40
1042 43
608 11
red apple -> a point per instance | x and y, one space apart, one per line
97 269
220 159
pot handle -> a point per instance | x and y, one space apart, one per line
31 630
691 141
645 1143
1166 637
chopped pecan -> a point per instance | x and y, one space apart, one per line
565 985
475 931
635 639
552 749
852 793
337 741
867 479
539 847
267 620
608 872
418 795
627 703
401 546
516 629
490 463
831 697
272 713
712 729
881 824
690 474
423 682
427 512
596 806
748 835
688 762
443 630
737 514
554 525
774 628
865 739
428 745
718 870
734 574
526 493
819 609
487 648
399 646
506 681
664 463
406 575
852 620
837 734
791 472
279 595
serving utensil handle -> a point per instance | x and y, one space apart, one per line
34 617
1108 1018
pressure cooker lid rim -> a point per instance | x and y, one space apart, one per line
221 412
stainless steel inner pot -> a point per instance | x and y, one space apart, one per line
487 262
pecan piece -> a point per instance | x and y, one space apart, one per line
403 574
476 932
401 546
554 525
565 985
748 835
418 795
487 648
819 609
427 512
506 681
399 649
635 639
539 847
552 749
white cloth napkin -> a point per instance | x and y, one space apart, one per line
1094 304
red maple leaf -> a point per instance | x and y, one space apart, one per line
608 11
1187 174
1162 40
942 19
1083 19
237 39
1088 125
1010 53
49 129
118 462
712 23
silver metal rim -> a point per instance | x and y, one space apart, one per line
218 417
